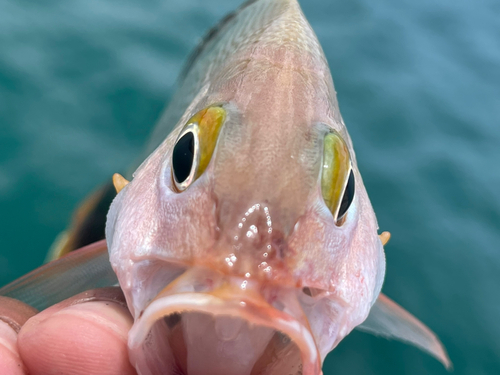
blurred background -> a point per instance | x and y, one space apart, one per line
82 83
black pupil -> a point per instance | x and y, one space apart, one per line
182 158
348 196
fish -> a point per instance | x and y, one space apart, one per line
245 241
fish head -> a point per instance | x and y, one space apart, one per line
246 242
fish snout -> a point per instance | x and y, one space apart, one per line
255 228
253 242
205 322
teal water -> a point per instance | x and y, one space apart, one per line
82 83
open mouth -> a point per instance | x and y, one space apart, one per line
222 331
194 343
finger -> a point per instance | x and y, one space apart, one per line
13 315
86 334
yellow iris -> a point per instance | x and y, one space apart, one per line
335 171
209 122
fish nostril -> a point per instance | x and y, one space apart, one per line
279 245
312 292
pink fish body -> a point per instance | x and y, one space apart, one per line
243 268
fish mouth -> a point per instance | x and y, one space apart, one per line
226 325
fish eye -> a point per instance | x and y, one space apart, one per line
337 177
347 198
185 157
195 145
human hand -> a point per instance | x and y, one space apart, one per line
86 334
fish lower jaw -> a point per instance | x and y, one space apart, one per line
213 334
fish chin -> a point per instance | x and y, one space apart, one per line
224 329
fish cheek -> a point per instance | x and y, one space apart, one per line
320 252
177 235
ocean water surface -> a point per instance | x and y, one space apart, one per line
82 83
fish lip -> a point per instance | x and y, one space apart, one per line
254 310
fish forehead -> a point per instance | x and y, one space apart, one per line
278 80
270 150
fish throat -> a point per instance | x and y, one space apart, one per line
198 343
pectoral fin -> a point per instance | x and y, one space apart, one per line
391 321
80 270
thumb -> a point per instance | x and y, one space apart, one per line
86 334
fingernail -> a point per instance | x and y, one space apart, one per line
10 362
8 337
15 313
111 294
